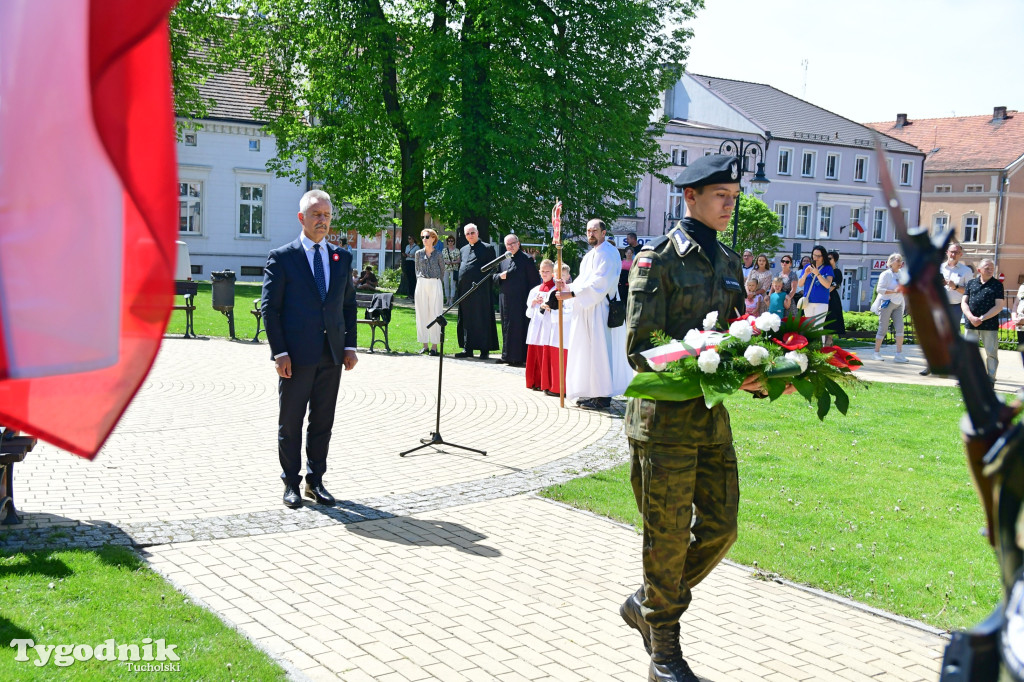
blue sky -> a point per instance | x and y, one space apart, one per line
870 59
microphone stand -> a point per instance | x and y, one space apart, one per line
435 435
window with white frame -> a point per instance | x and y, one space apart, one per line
878 228
785 161
803 219
888 167
250 210
782 210
678 155
190 207
856 224
254 145
832 166
906 172
860 169
675 202
807 167
974 188
972 225
940 222
943 189
824 221
189 139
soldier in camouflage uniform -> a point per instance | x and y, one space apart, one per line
683 463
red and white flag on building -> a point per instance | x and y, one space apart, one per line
88 211
556 223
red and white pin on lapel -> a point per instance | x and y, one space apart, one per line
336 257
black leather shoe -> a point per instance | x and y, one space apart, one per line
433 353
547 392
464 354
422 351
630 612
319 494
517 365
602 403
291 496
667 663
485 355
925 372
587 404
500 361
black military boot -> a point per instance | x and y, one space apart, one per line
667 664
630 612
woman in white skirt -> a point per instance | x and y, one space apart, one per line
429 296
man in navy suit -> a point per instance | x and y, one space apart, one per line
309 309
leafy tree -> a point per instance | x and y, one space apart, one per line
479 111
758 228
194 25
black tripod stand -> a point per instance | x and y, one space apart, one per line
435 435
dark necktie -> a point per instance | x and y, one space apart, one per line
318 273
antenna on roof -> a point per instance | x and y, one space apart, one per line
803 93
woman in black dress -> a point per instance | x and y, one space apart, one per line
835 325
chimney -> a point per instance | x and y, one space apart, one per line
901 120
999 114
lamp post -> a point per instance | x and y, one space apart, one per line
743 150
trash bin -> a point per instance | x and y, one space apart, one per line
224 296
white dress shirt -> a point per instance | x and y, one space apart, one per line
307 244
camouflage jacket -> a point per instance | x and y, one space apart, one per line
672 287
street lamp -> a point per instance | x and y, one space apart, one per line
743 150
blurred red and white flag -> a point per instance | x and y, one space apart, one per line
88 204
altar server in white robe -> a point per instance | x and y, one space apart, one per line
597 367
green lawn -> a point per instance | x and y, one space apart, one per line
87 597
209 322
876 506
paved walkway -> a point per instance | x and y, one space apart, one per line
436 566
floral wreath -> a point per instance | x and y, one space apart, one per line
778 352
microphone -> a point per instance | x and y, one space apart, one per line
497 261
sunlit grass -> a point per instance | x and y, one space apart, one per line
876 506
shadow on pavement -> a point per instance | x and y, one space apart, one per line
426 533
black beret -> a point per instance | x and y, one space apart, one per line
709 170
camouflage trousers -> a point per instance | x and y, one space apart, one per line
688 496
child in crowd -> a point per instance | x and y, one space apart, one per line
754 302
552 379
540 326
777 299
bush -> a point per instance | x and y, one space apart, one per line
861 322
389 279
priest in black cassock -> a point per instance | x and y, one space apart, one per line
476 328
515 278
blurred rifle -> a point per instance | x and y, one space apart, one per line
993 443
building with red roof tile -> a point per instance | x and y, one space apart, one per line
973 183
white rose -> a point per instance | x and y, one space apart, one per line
768 322
756 355
798 358
742 330
694 338
711 319
708 361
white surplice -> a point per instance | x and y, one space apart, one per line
597 366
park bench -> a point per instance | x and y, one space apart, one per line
13 449
376 315
188 289
257 312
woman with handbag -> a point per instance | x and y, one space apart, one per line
889 306
816 282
